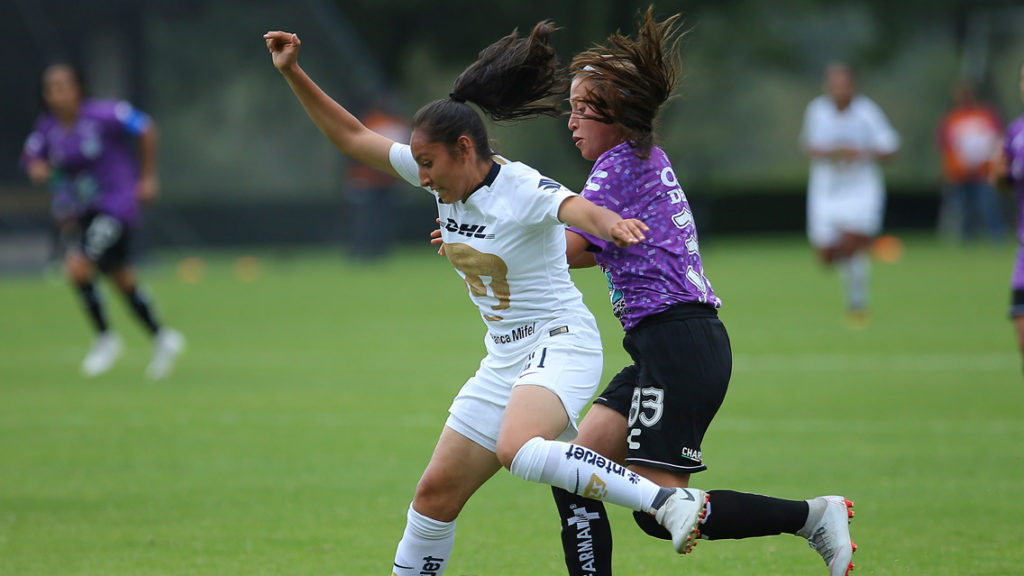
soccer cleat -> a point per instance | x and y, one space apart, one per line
831 537
857 319
167 345
681 514
105 350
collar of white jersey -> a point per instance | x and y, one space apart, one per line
492 175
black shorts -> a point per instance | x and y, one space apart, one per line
682 364
104 240
1016 304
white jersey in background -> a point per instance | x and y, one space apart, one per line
844 194
508 245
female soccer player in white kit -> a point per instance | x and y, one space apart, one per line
503 232
845 134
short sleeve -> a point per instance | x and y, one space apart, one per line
809 137
35 147
538 199
132 120
885 139
404 164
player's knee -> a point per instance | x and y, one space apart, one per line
435 499
78 269
507 450
124 280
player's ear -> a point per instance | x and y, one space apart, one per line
464 147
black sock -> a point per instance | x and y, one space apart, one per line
586 534
735 515
143 309
650 526
93 305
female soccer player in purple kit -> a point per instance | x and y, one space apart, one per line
654 413
84 149
1008 172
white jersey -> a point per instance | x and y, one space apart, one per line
861 126
508 245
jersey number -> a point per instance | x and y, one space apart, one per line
476 267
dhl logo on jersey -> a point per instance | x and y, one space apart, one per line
468 230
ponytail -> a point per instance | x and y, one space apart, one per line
512 79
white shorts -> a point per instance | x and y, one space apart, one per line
829 218
565 364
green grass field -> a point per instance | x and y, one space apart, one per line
291 436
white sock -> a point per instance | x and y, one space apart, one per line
425 547
583 472
855 272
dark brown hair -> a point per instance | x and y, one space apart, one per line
632 77
513 78
76 75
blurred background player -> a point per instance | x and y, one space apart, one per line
846 135
372 192
1008 173
969 135
85 150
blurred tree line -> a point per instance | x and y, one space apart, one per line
232 131
750 67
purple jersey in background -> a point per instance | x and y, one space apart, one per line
665 269
1014 149
93 161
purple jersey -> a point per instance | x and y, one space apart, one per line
665 269
93 160
1014 149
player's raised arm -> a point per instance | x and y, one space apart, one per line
343 129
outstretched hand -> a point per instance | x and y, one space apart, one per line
628 231
283 47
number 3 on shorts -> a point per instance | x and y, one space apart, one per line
647 407
102 233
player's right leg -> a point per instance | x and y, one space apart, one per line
1016 312
854 265
458 467
168 343
106 347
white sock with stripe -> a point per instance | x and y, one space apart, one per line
425 547
586 473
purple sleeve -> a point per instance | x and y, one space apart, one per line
119 117
35 145
1014 150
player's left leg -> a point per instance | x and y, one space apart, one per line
127 283
854 265
458 467
168 343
